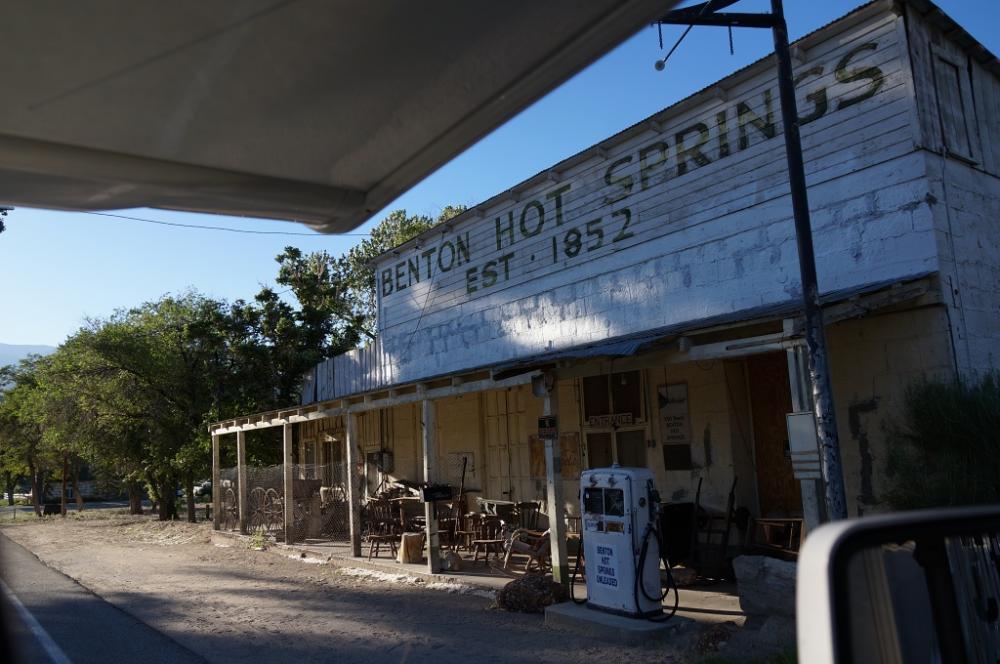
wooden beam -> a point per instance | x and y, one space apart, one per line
241 474
554 492
216 484
288 478
429 437
353 483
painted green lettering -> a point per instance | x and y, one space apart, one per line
470 280
426 255
505 259
624 181
451 256
874 74
720 124
489 274
414 269
399 276
694 152
645 166
386 282
745 116
463 248
540 211
557 194
817 97
506 230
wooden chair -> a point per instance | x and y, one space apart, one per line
383 527
469 527
489 540
533 544
527 514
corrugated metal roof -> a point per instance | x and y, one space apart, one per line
633 344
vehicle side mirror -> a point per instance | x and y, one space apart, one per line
918 586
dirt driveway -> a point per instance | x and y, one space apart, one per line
233 604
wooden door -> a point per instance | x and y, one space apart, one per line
498 448
770 401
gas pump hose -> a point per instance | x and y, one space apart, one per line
639 586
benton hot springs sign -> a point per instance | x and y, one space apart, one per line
679 218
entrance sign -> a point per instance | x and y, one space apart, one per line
677 219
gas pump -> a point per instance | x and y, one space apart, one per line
621 541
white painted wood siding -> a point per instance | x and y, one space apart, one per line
707 234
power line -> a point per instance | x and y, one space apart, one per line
220 228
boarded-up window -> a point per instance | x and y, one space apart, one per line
569 449
955 106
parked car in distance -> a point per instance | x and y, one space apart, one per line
203 488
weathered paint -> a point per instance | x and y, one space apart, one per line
686 221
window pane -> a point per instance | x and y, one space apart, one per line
595 396
599 450
626 397
632 448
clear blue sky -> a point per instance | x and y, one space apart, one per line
58 268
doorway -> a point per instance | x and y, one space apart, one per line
770 400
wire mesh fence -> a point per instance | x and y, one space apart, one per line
321 508
319 496
229 512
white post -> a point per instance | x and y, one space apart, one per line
429 435
801 402
289 481
353 482
554 491
241 475
216 484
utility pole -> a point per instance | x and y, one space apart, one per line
819 370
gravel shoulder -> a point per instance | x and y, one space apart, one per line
233 604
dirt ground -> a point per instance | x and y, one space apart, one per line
234 604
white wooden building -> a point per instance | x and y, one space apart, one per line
652 283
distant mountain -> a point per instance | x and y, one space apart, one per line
11 353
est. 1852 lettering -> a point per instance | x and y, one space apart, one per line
593 235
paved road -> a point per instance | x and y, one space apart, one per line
85 627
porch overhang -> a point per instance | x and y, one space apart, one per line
318 112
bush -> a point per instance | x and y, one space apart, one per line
946 449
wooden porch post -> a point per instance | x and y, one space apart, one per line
241 474
288 479
798 379
429 437
554 491
353 482
216 484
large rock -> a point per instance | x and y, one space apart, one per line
766 586
530 594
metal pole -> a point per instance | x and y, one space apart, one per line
819 372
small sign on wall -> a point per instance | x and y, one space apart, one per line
548 427
675 426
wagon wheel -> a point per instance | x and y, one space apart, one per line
257 516
274 510
230 510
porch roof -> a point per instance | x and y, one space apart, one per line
838 305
